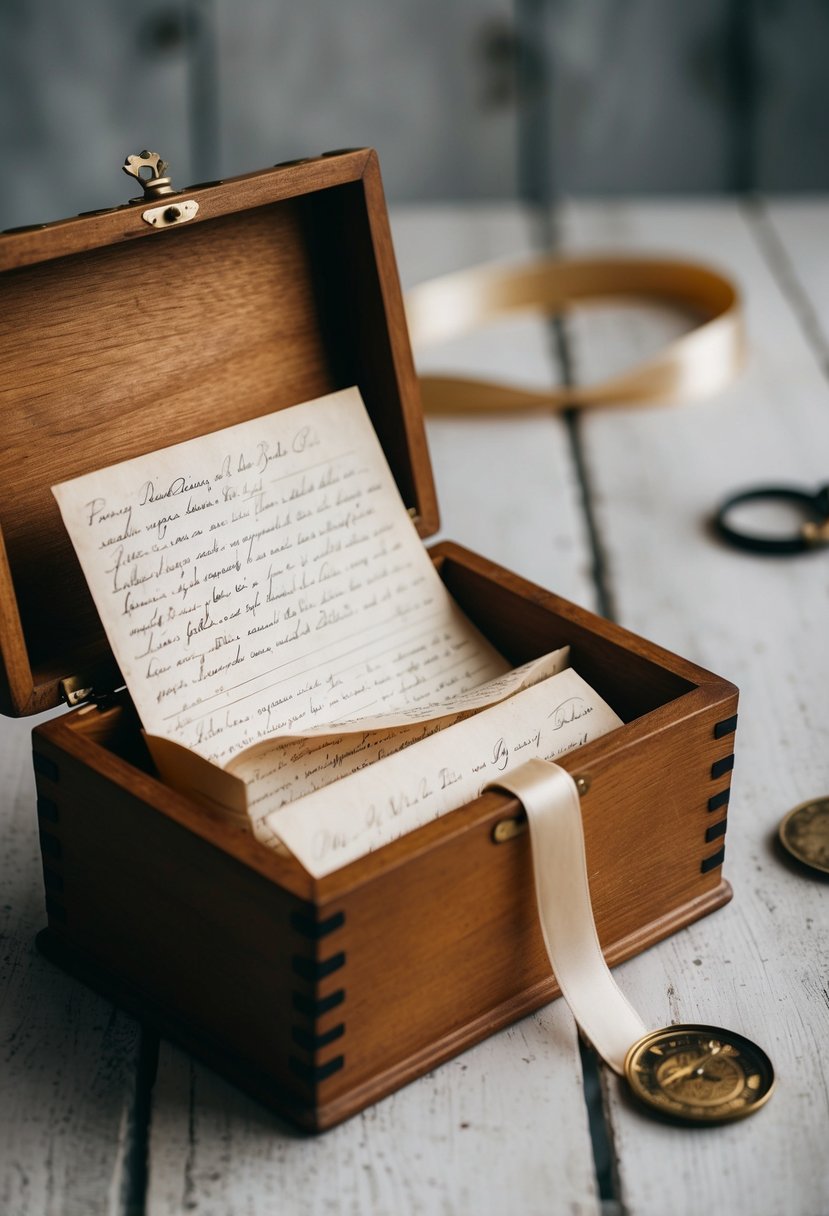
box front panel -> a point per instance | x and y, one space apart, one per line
442 951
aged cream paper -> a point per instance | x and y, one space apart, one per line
284 770
280 626
441 772
265 776
266 580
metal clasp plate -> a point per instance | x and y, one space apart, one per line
151 171
171 213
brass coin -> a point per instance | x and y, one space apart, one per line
699 1074
805 833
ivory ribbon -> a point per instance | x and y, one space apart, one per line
698 363
551 800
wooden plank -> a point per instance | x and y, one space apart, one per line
789 42
411 81
80 89
506 486
758 965
620 83
482 1134
793 233
69 1059
485 1132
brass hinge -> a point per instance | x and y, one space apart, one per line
80 690
74 692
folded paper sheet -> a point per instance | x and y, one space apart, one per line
282 770
407 790
280 626
278 770
266 579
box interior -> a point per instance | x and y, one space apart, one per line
521 630
130 347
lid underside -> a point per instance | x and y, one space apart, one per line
118 350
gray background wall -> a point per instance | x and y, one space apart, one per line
463 98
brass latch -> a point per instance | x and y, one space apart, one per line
508 829
151 171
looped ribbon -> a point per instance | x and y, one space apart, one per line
700 362
551 800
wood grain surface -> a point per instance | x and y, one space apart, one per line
505 1127
117 340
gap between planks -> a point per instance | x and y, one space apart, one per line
484 1132
756 966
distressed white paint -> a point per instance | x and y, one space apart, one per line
506 487
502 1128
759 965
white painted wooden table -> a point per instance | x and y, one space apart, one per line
96 1117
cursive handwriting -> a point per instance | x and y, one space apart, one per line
230 569
423 773
569 711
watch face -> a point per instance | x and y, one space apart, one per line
699 1074
805 833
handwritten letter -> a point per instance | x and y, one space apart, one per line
283 770
280 626
443 771
266 580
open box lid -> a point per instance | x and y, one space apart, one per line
119 337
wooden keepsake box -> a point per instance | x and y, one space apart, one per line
131 329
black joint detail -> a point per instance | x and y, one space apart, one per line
725 728
716 830
316 1072
47 809
719 800
317 969
316 1008
52 880
711 863
313 1042
720 767
50 845
56 911
46 767
315 929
